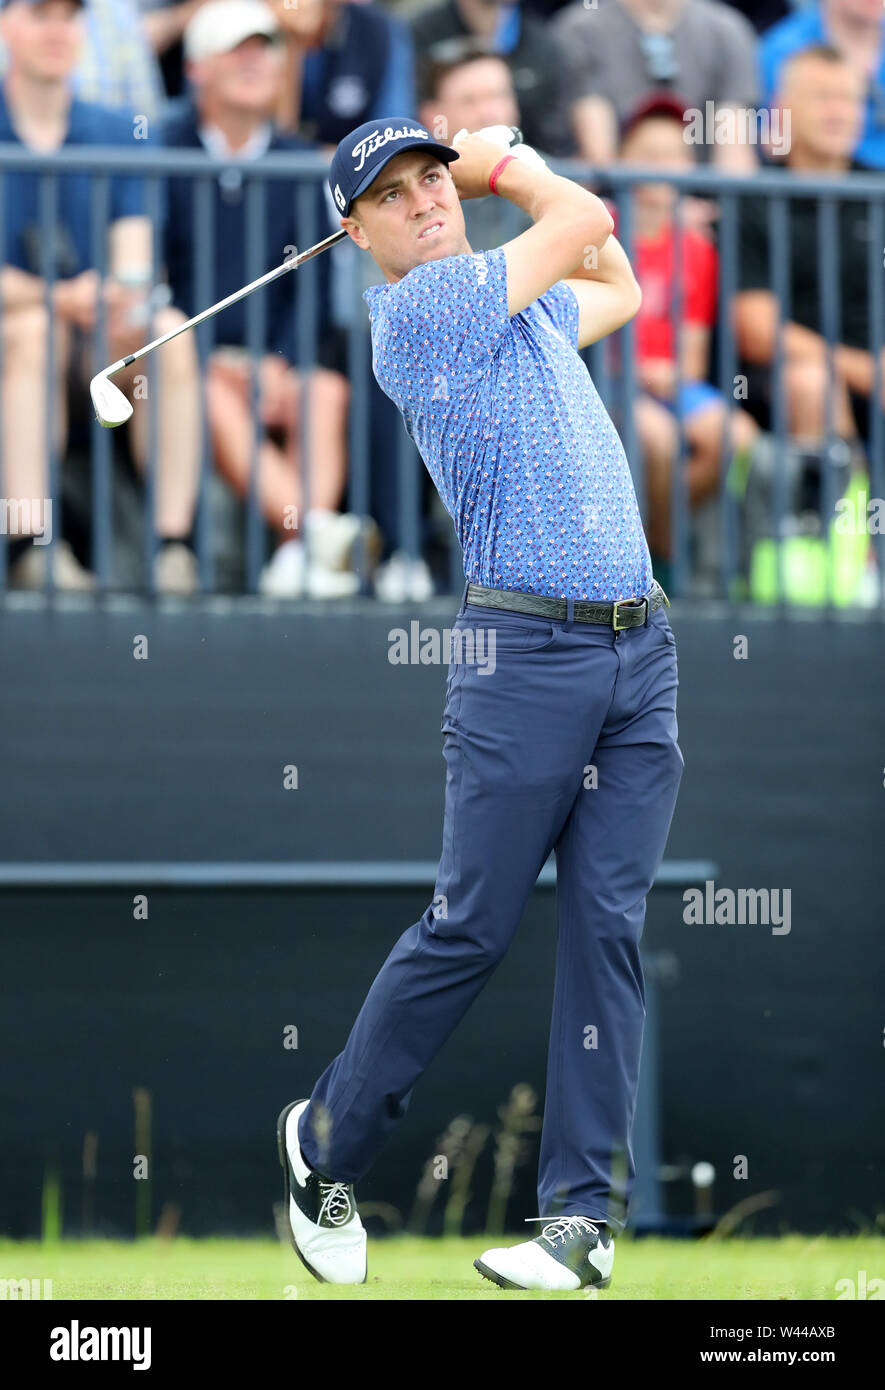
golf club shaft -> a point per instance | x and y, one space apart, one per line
292 264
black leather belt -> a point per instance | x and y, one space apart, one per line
626 612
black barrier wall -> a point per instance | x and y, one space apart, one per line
769 1043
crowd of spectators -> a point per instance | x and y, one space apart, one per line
669 85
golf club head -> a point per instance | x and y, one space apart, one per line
110 405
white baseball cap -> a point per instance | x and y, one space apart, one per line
220 25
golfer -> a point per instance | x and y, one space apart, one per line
566 742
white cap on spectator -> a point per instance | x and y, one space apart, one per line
217 27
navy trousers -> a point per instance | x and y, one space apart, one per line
558 736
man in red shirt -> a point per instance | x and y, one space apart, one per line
654 136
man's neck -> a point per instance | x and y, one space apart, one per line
41 109
393 277
237 127
858 36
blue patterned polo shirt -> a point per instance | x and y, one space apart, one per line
511 429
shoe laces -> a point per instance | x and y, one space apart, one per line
564 1227
335 1206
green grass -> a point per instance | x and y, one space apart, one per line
792 1267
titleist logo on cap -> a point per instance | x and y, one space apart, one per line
372 142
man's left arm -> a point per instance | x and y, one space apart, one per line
607 291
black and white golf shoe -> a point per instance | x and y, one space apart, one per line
324 1224
572 1252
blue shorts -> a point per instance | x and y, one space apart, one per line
695 396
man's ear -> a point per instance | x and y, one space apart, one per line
355 232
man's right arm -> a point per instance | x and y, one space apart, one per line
568 219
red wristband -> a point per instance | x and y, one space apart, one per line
496 172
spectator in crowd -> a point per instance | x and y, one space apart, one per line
653 138
521 38
37 110
824 96
346 62
612 57
856 28
235 65
473 88
117 66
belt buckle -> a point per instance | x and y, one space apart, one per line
622 602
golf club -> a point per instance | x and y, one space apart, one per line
111 406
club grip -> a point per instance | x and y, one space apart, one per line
515 135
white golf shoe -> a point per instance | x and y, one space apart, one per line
572 1252
324 1224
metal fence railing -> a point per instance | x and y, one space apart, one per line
384 472
777 189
